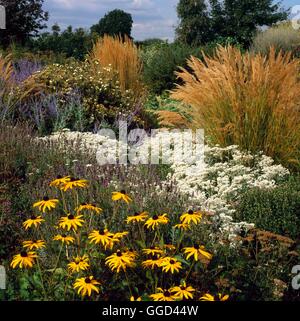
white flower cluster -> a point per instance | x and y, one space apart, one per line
217 182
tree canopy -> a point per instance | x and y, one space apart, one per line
116 22
24 18
238 19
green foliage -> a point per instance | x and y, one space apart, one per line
160 63
194 27
276 210
25 19
114 23
237 19
72 43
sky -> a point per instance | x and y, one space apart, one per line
152 18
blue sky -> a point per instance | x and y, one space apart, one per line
152 18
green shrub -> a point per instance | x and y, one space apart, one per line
161 60
281 37
101 95
276 210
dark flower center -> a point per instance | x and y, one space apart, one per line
64 235
45 198
182 287
58 177
167 294
196 247
73 179
123 191
155 217
24 254
83 204
33 217
101 232
71 217
136 214
88 280
190 212
172 262
119 253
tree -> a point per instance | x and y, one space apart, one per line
116 22
194 28
24 19
236 19
241 18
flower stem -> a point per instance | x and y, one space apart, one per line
42 280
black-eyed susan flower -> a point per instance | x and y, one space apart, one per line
209 297
74 183
137 218
102 236
119 261
153 250
120 235
71 222
64 238
46 204
59 181
170 247
156 220
89 207
131 253
163 295
33 221
153 263
23 260
182 226
34 245
170 264
80 263
86 286
122 195
183 292
132 298
191 217
197 252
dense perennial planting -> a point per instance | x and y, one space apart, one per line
214 184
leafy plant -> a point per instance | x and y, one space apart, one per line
276 210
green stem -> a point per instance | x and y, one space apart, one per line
128 283
42 280
190 270
57 261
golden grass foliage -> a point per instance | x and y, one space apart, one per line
6 70
246 100
12 93
123 57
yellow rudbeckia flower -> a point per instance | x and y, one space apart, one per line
86 286
46 204
197 252
23 260
154 221
116 196
71 222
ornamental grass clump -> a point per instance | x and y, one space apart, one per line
123 57
247 100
